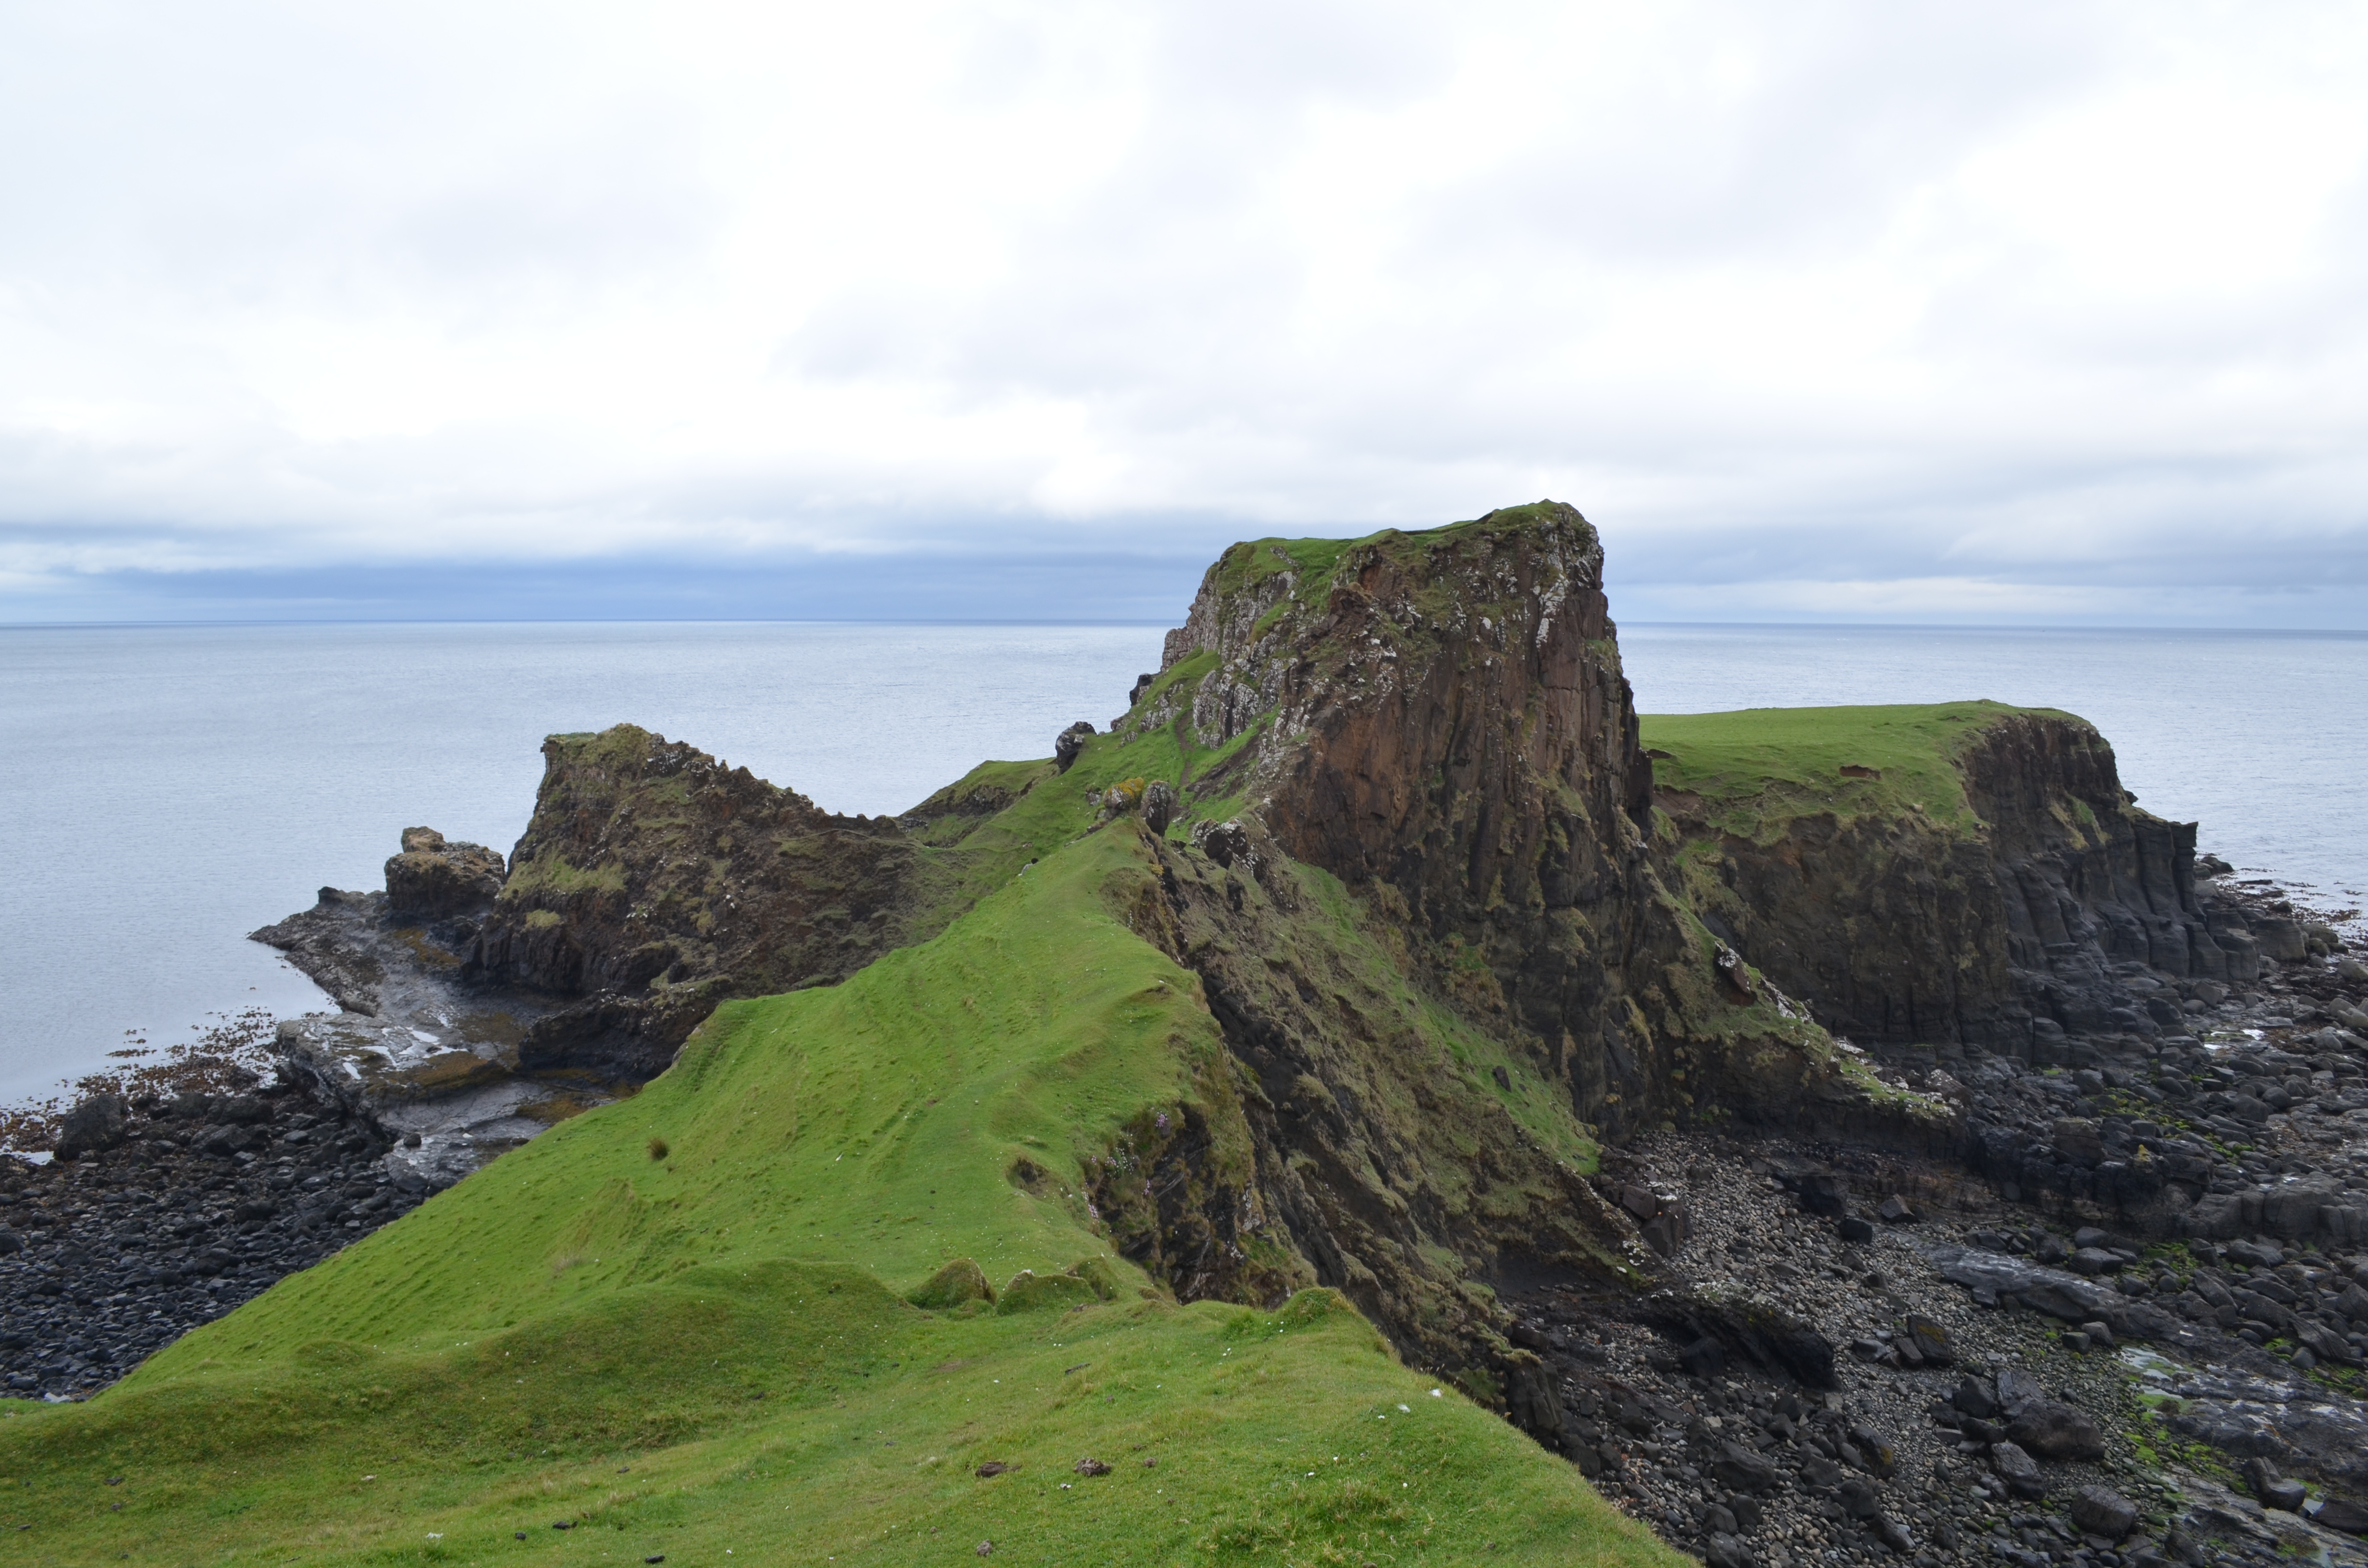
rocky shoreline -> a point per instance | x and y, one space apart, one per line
169 1213
2040 1351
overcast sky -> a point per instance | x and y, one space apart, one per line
1893 311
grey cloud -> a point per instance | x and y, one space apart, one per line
1726 290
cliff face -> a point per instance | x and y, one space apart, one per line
655 880
1400 1153
1977 875
2087 883
1410 871
1440 720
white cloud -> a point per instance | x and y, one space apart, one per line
2058 307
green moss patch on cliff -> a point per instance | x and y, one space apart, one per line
1753 771
712 1350
1311 560
552 874
1001 816
1314 561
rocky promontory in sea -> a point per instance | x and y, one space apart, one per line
1837 1135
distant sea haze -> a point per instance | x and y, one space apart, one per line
169 789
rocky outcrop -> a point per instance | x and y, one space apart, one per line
1440 720
652 883
2051 905
437 1062
432 879
97 1123
2087 882
650 865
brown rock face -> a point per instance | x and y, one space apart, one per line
1440 720
655 881
432 879
1374 1153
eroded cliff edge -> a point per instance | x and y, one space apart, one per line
482 1000
1950 874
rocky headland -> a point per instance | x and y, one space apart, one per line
1844 1134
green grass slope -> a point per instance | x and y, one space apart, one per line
1001 815
680 1324
1756 769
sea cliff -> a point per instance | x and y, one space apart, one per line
1381 1098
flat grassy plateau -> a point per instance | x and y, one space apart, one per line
1755 769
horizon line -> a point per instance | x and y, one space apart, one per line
1116 621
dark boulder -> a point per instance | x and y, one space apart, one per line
1757 1332
1743 1468
1875 1452
2336 1514
1069 742
2017 1469
1823 1192
2056 1431
2102 1511
1931 1340
1728 1551
225 1141
1533 1400
98 1123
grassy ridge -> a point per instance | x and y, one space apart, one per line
1037 810
710 1351
872 1123
1756 769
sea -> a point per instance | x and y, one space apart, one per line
164 790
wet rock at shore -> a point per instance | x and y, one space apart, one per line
200 1202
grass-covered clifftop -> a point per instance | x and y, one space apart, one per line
1932 873
1749 773
679 1325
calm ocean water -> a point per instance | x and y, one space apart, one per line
164 790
